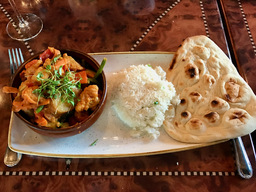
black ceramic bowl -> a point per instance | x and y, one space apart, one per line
78 127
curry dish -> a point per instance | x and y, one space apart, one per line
56 91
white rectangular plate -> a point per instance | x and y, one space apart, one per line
113 139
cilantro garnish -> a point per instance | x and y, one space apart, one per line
94 142
58 84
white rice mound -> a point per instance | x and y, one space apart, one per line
141 96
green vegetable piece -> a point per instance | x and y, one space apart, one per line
54 60
92 80
39 109
99 71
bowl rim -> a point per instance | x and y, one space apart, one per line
78 125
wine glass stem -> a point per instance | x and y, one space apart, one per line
18 15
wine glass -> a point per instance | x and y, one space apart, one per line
24 26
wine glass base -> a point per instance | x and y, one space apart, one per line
31 26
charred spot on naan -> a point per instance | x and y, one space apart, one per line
185 116
239 115
182 106
173 61
183 101
219 105
212 117
195 126
195 97
235 91
191 71
236 116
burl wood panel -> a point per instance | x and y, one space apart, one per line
188 18
127 184
102 26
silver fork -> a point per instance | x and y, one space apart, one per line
12 158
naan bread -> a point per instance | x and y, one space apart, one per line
215 101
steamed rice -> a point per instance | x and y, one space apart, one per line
141 96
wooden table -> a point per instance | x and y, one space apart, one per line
114 26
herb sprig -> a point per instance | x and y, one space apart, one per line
94 142
58 84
